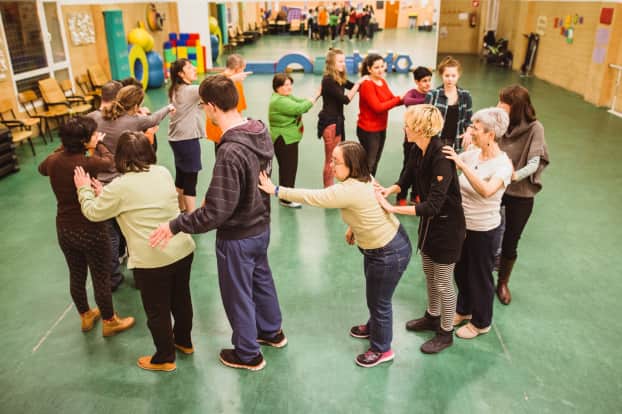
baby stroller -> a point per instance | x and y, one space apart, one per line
496 51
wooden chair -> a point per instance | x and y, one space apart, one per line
21 129
53 95
67 88
97 76
85 85
35 110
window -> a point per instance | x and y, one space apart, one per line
23 35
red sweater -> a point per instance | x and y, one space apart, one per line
374 104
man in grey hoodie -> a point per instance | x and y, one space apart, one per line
240 213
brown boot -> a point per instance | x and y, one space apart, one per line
89 318
115 325
505 270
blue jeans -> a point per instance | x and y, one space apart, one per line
383 270
247 290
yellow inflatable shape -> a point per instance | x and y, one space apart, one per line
141 37
200 68
214 29
139 68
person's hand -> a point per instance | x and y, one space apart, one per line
97 186
81 178
514 175
171 108
265 183
239 77
160 236
450 154
383 202
363 79
467 139
100 136
350 236
382 190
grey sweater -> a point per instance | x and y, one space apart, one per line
187 122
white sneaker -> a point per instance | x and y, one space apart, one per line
290 204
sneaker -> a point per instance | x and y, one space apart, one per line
426 323
458 319
145 363
115 325
402 202
89 318
470 331
441 340
372 358
230 358
290 204
359 331
277 341
185 349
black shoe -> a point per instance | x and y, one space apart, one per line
441 340
115 281
359 331
230 358
278 341
427 323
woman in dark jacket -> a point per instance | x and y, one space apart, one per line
525 145
442 228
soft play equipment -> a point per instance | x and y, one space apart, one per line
138 64
185 45
261 67
214 29
145 65
214 46
117 45
299 58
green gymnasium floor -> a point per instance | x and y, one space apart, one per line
553 350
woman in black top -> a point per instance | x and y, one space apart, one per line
442 228
331 121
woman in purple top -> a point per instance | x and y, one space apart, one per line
415 96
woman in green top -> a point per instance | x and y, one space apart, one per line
285 116
140 199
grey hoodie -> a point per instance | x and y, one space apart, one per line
234 204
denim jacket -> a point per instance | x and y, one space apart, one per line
437 98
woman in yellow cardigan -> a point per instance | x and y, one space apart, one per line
285 116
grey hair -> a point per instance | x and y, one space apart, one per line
492 119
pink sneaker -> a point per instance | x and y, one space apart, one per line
372 358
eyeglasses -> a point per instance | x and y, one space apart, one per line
201 104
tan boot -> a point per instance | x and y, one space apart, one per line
115 325
505 270
89 318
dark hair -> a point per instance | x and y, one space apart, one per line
176 68
521 108
421 72
355 158
131 81
77 132
110 90
279 80
134 153
127 98
220 91
368 62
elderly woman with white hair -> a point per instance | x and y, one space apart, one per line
486 172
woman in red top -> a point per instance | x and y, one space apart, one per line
375 100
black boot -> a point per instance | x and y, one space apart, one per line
441 340
427 323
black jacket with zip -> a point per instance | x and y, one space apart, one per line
442 227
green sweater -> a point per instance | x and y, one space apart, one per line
285 115
140 202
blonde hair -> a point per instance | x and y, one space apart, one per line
425 119
330 70
449 62
127 98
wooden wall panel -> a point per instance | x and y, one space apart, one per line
461 37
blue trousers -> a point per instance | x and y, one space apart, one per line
383 270
247 290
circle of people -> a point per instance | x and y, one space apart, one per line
110 191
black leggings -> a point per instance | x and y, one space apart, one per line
517 212
373 142
88 247
187 181
287 157
407 146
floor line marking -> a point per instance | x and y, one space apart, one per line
505 348
49 332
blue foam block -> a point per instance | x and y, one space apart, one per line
261 67
298 58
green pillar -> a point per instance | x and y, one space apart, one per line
222 22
